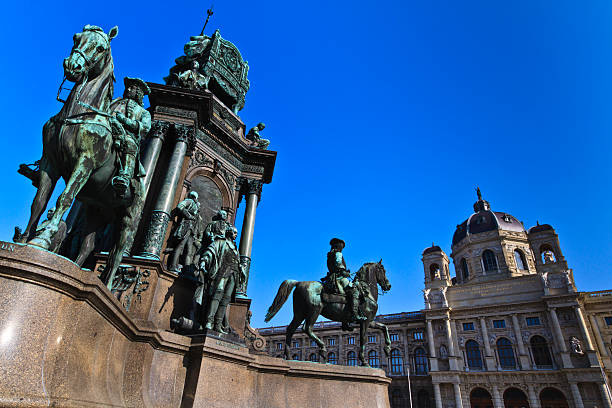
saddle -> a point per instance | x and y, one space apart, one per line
333 298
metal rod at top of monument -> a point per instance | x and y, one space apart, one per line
209 13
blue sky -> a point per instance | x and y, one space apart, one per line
385 116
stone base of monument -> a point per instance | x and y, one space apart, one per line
66 341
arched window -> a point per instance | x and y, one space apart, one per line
332 358
420 361
443 351
396 398
479 397
505 353
314 357
552 397
434 271
351 358
547 254
519 258
540 352
396 362
465 272
472 351
373 359
489 261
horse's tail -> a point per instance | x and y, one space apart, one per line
281 297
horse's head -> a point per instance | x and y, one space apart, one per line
89 53
381 276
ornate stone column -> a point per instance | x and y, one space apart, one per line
252 190
497 400
534 401
590 350
489 358
523 355
605 395
433 361
458 399
158 225
559 338
150 153
603 351
452 352
437 395
576 394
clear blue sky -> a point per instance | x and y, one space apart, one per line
385 116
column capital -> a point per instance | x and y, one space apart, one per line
159 129
248 186
186 134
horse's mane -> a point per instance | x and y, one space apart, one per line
361 273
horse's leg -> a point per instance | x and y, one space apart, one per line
47 181
290 330
308 326
78 178
385 330
127 228
93 221
363 329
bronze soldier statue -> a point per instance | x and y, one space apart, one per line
254 136
131 124
188 232
338 275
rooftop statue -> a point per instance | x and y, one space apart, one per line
312 298
79 146
254 136
215 64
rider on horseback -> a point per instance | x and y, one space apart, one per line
131 124
338 275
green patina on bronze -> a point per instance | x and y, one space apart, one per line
212 63
92 143
337 299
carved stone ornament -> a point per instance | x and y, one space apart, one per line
154 235
159 129
130 279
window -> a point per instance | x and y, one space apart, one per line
418 335
443 351
489 261
547 254
540 352
420 361
350 340
533 321
465 272
468 326
331 341
396 362
332 358
472 351
394 337
279 346
608 320
372 338
351 358
296 344
499 324
434 272
519 258
373 359
505 353
314 357
313 343
295 357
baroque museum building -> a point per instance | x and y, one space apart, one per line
509 330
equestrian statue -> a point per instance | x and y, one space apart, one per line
336 298
93 144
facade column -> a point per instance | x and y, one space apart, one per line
489 357
590 350
534 401
437 395
497 400
523 355
433 361
576 394
160 217
150 153
605 395
458 401
452 352
567 363
603 351
252 190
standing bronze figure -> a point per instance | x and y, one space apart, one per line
312 299
78 146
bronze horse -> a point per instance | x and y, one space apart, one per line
308 305
77 146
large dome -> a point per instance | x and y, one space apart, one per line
484 220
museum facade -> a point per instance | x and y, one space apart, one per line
509 330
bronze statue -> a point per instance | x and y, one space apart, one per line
188 233
192 78
256 138
311 300
78 146
337 279
59 236
131 125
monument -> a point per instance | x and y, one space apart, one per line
139 298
